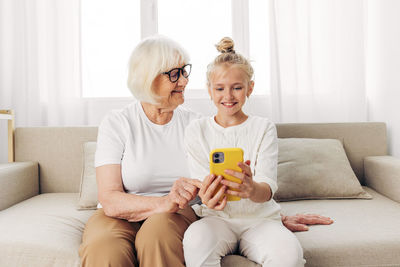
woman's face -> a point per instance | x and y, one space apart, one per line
171 94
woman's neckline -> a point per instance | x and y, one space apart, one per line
169 117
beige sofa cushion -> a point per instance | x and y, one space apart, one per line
315 169
18 181
364 232
307 169
382 173
43 231
88 188
58 150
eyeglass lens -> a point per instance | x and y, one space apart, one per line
175 73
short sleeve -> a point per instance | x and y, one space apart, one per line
196 153
110 140
267 158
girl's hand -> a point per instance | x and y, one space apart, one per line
247 188
206 192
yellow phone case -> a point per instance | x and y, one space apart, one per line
231 158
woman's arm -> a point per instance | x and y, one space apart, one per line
119 204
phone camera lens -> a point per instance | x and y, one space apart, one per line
216 155
216 160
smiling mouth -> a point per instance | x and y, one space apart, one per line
177 91
228 105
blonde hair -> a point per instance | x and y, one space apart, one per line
151 57
229 56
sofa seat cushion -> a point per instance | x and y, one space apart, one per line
365 232
45 230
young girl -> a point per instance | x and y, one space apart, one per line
251 226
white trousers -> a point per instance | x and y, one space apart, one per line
264 241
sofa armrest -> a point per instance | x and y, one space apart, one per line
382 173
18 181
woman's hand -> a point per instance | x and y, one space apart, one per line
182 192
207 195
299 222
247 187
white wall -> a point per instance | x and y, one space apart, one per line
383 67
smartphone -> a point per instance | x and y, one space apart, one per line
222 159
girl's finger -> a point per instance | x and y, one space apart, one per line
206 183
245 168
234 193
230 184
214 200
222 205
236 174
211 188
208 180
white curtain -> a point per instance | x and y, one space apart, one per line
40 62
318 60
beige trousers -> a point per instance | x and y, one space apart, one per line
156 241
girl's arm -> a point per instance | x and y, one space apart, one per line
260 187
262 193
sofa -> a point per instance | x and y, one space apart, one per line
40 224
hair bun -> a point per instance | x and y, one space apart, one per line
225 45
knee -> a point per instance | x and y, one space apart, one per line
194 237
199 251
107 249
159 229
97 245
292 257
289 254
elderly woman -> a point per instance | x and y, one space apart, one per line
141 168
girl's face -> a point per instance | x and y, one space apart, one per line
228 89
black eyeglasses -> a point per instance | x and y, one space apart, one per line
174 74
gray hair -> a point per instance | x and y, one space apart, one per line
151 57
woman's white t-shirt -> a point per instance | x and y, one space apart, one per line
152 156
258 139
